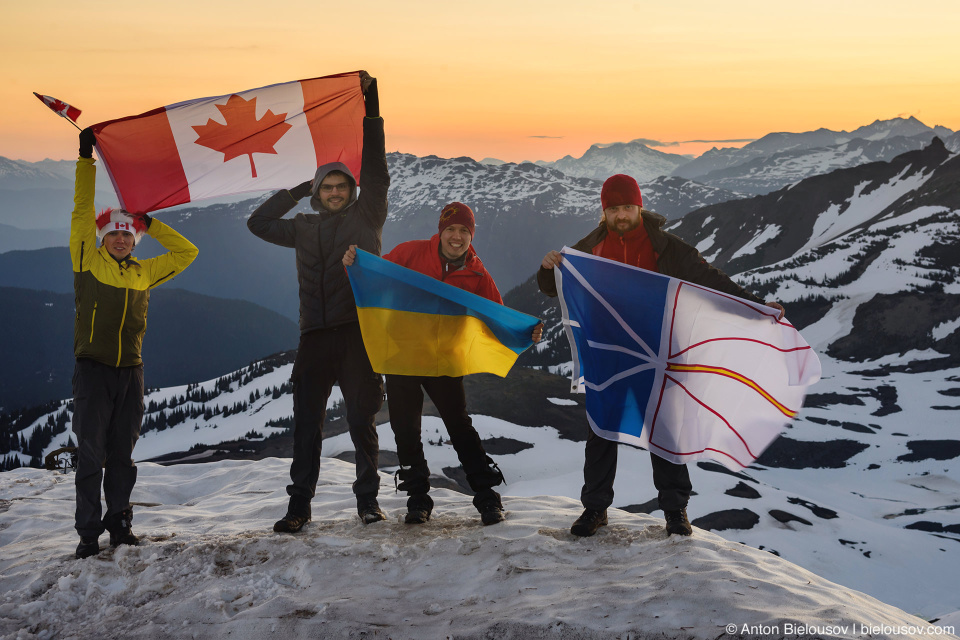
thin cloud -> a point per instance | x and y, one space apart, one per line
677 143
655 143
547 137
734 140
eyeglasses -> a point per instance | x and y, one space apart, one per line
329 188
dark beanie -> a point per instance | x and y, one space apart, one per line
619 190
456 213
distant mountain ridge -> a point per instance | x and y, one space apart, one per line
522 212
633 158
779 159
189 337
883 237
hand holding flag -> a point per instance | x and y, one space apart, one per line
415 325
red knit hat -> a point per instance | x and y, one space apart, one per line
456 213
619 190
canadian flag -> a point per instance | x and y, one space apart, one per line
257 140
59 107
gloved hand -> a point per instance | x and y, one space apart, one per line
371 98
87 140
146 219
301 191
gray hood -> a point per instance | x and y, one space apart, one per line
322 172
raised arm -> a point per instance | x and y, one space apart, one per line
180 253
374 176
83 222
267 221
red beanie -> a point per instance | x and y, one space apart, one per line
619 190
456 213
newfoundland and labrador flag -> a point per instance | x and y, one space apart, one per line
415 325
258 140
686 372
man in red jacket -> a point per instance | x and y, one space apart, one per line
448 256
630 234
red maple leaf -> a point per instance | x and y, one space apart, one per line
243 134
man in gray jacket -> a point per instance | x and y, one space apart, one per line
331 348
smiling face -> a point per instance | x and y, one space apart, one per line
454 241
334 191
622 218
119 244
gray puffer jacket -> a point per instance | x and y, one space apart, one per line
321 239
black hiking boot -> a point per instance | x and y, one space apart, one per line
298 514
588 523
88 547
369 509
489 505
419 508
677 523
119 527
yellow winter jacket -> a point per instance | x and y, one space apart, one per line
111 297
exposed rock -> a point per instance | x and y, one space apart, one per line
786 516
728 519
787 453
931 450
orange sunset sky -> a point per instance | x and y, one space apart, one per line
514 80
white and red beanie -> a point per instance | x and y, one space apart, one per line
119 220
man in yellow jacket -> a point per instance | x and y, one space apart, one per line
112 290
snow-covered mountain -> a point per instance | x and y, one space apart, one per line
522 210
768 173
209 567
781 142
767 229
780 159
860 489
19 174
632 158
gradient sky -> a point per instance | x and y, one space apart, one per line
514 80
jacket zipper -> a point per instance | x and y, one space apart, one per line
126 296
93 319
156 282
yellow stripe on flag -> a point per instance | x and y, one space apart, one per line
409 343
736 376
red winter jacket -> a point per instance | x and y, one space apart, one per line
424 256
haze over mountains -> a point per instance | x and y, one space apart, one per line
861 489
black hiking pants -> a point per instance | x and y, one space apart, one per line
600 469
107 416
326 357
405 401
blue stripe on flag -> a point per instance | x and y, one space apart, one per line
382 284
617 335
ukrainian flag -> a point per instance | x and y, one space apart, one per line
415 325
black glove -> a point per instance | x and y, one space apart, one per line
372 100
87 140
146 219
300 191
